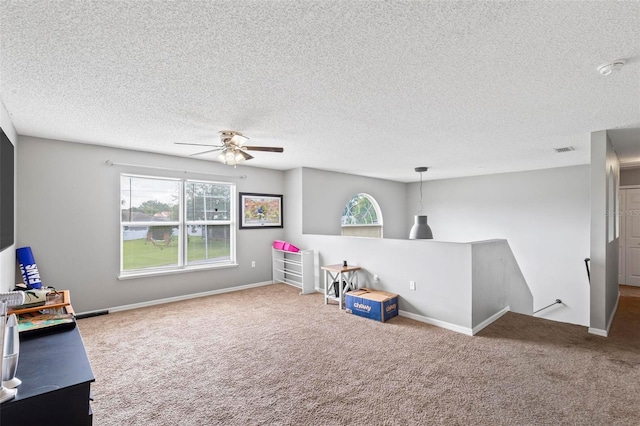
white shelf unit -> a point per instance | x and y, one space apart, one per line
295 269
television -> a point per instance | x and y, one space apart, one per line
6 191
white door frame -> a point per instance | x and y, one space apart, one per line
622 242
623 235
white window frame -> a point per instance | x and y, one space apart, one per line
376 207
183 226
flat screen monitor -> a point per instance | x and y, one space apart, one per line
6 191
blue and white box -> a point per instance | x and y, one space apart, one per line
374 304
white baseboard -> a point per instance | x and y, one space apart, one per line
605 333
598 332
454 327
437 323
489 320
178 298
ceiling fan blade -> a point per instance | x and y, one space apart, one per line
205 152
195 144
239 139
263 148
246 155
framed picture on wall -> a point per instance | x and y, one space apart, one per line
260 211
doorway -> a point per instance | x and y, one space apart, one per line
629 268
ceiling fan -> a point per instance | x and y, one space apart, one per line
232 148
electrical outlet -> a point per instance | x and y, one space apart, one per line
253 263
376 279
412 285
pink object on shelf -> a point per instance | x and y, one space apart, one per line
290 247
277 244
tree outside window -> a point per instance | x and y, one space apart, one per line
169 224
362 217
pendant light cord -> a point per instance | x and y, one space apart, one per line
420 210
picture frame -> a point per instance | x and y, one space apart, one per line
260 211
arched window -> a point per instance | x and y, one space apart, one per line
362 217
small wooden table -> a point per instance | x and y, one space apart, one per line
345 276
57 300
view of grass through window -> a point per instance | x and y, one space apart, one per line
155 235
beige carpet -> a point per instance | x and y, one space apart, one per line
268 356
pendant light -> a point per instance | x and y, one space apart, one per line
420 230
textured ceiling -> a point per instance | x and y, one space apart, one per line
363 87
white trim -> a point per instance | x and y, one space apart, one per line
191 268
598 332
490 320
455 327
605 333
177 298
437 323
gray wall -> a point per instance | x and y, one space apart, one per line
497 281
68 206
543 214
68 185
293 202
630 176
8 255
326 194
605 172
443 271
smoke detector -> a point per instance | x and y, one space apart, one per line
606 69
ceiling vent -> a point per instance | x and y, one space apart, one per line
565 149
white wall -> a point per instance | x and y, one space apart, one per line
543 214
326 194
68 206
8 255
605 182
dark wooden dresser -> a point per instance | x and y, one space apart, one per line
56 383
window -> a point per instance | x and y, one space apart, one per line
361 217
175 224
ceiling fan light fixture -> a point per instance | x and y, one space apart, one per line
231 157
232 148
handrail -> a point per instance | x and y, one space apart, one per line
558 301
586 263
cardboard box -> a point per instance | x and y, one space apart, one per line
374 304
